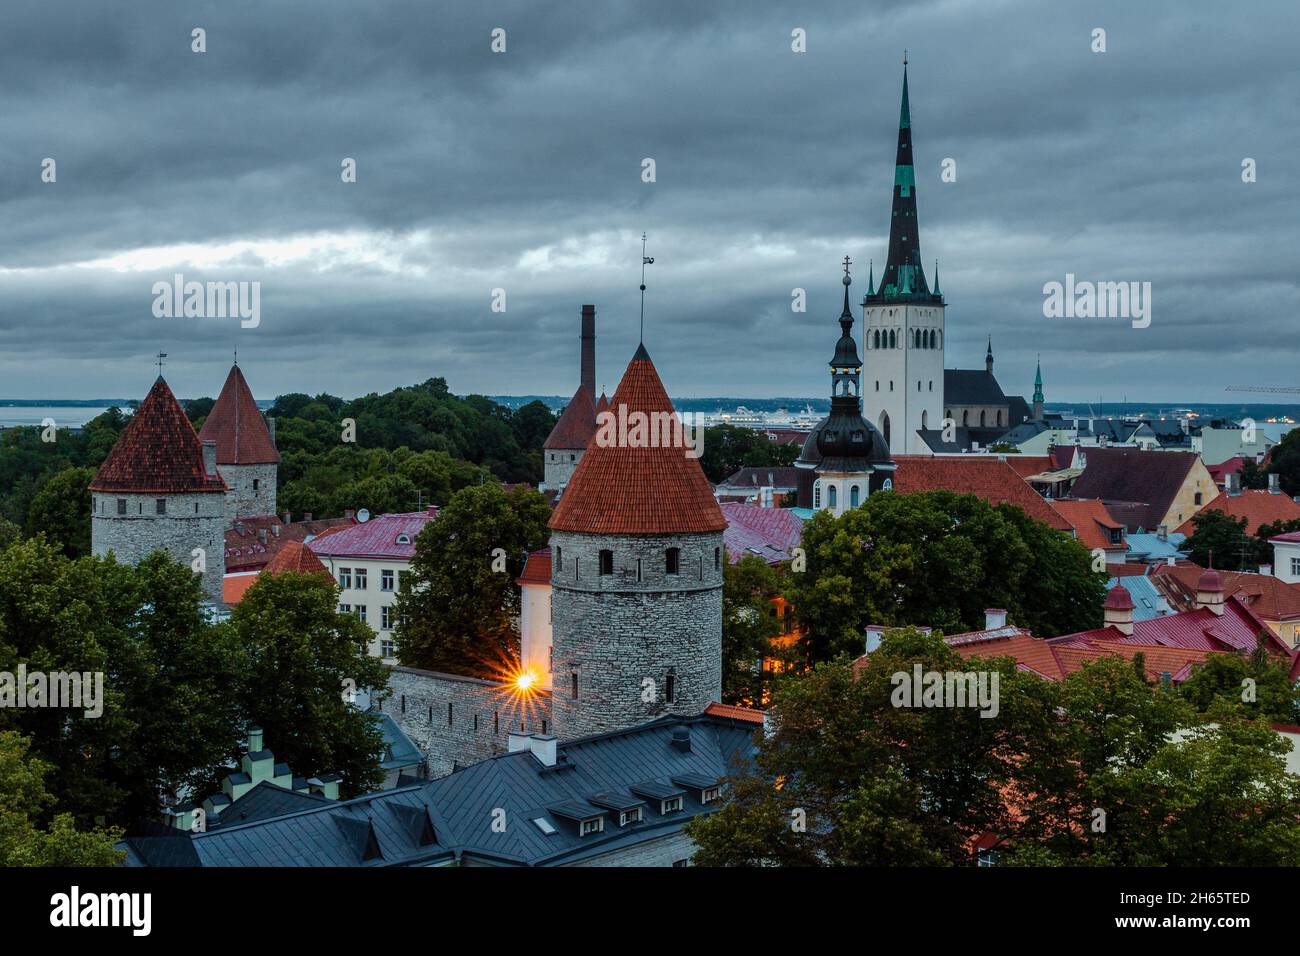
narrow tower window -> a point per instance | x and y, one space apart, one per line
606 561
672 560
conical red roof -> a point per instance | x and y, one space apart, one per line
576 425
630 487
602 403
236 425
157 452
295 556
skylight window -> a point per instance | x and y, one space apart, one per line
544 825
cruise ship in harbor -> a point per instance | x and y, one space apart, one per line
743 417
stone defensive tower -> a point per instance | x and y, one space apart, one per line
565 445
246 454
636 572
159 490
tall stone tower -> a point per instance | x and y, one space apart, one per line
904 321
636 572
844 458
246 454
565 445
159 490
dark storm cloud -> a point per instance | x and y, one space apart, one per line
522 171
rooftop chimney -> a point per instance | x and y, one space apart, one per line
349 513
261 535
517 740
254 739
1118 610
1162 532
270 425
543 748
682 738
306 516
209 457
1273 487
765 497
286 518
589 349
994 617
1234 483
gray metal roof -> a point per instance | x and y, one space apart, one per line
485 811
971 386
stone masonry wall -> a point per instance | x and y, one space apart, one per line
625 634
557 469
242 501
190 521
482 714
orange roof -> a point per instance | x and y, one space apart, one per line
236 425
157 452
577 422
233 586
1092 523
989 478
1257 505
735 713
1026 465
638 480
1013 642
1270 598
296 556
537 569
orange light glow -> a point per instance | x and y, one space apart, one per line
525 680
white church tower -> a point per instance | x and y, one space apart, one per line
903 322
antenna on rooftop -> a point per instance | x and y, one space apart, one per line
645 261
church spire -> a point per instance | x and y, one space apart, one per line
904 278
1038 391
846 367
988 357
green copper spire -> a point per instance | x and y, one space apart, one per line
905 114
1038 382
936 278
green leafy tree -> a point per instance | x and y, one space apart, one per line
1223 536
60 510
728 448
749 625
23 841
937 559
1258 684
1284 461
456 612
303 660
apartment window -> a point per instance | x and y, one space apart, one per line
345 577
671 805
606 561
672 560
360 582
1295 565
388 648
386 617
345 608
629 816
385 580
121 506
711 794
593 826
401 580
361 611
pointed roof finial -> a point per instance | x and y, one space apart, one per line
645 261
848 281
989 354
236 356
871 277
161 356
936 278
904 58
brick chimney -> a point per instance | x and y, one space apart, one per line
589 349
994 617
1273 487
286 518
1118 610
1234 483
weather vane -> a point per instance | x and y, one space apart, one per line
161 356
645 261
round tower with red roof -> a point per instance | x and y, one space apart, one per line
636 571
246 454
159 490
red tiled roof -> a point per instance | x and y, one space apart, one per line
769 533
735 713
1223 469
1062 456
1200 630
1026 465
1269 597
1258 506
297 557
1092 523
157 452
577 422
989 478
621 489
236 425
1145 481
247 551
602 403
376 538
233 586
1011 642
537 569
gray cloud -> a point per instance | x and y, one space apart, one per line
522 171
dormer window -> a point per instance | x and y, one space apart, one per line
710 794
403 538
671 805
629 816
596 825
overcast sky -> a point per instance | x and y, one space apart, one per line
522 171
